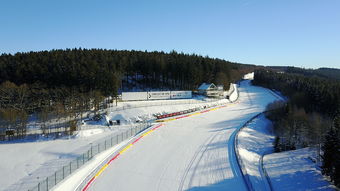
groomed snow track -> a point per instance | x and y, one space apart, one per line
193 153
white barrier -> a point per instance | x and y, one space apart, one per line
234 96
180 94
155 95
158 95
134 96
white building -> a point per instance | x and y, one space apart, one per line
210 90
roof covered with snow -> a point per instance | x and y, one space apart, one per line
206 86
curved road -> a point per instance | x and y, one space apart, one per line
194 153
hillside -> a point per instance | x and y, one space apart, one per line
68 83
330 73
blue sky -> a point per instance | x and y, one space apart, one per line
303 33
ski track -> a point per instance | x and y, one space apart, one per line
195 153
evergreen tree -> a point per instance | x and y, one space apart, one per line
330 149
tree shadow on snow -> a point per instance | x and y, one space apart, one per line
233 123
227 184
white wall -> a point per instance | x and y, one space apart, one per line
131 96
234 96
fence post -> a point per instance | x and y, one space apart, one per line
83 158
86 156
63 172
91 151
55 178
117 138
70 168
105 145
47 183
39 186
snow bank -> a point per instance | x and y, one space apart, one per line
249 76
254 141
294 170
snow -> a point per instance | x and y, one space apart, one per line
205 86
249 76
147 113
81 174
118 116
234 95
88 132
294 170
194 153
22 172
24 164
254 141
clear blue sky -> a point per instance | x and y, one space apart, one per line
304 33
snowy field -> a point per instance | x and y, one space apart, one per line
24 163
42 157
294 170
194 153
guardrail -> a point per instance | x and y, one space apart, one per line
68 169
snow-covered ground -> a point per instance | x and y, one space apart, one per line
147 113
294 170
24 164
192 153
254 141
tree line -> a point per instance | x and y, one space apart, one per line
310 118
63 83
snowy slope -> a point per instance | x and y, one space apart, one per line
294 170
254 141
188 154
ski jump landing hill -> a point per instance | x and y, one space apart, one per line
190 153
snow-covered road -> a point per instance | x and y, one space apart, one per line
194 153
